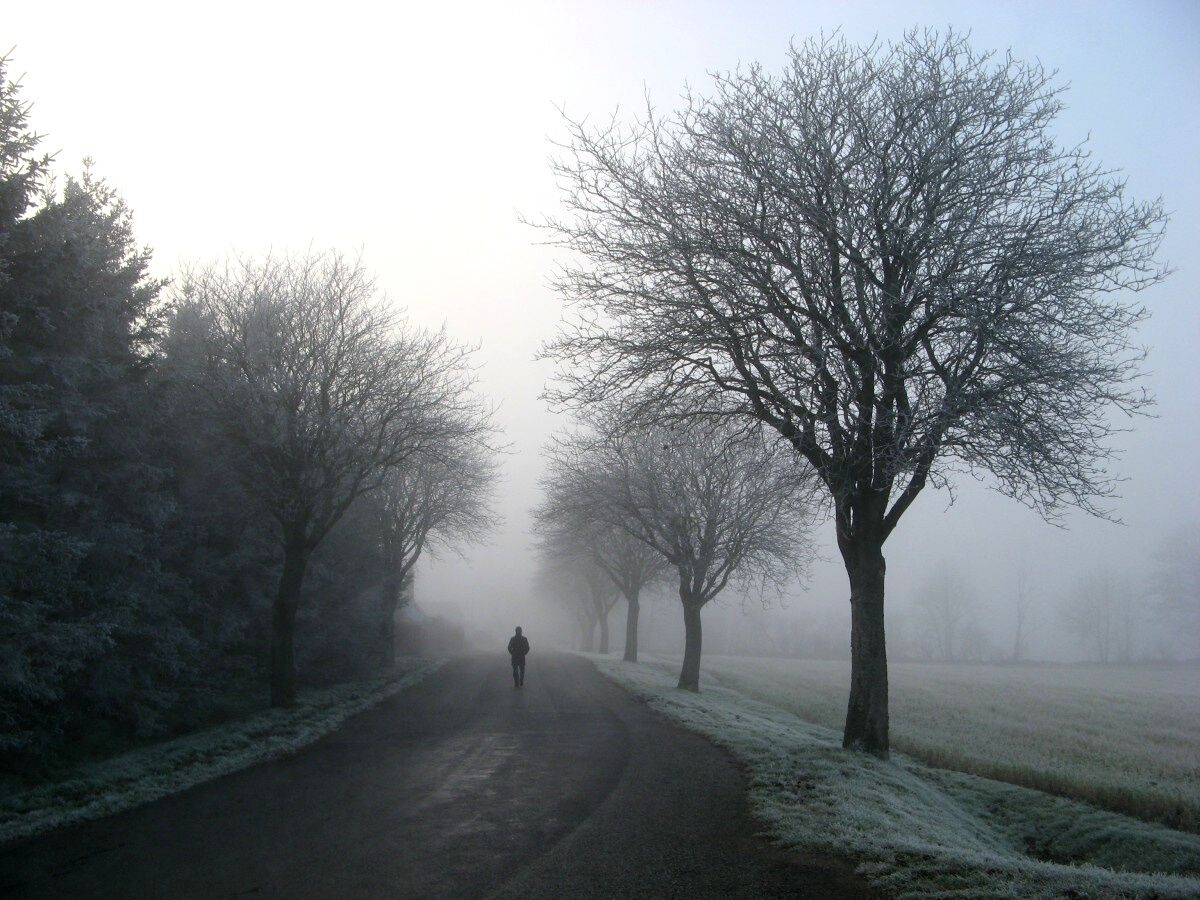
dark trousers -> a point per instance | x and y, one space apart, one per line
518 670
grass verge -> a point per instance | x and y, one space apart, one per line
149 773
1124 738
919 831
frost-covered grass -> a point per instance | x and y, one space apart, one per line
147 774
919 831
1123 738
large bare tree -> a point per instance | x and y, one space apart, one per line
323 389
715 503
883 253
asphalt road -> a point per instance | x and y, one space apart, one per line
459 787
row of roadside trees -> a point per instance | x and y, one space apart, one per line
328 398
880 255
698 506
201 478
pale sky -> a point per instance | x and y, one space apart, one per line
419 134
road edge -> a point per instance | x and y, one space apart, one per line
151 773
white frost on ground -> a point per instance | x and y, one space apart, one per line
1119 737
147 774
919 831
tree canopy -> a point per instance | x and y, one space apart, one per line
883 253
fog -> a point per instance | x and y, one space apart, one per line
420 137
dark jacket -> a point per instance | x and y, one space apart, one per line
518 646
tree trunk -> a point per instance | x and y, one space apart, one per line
389 601
602 615
631 628
689 676
867 712
283 623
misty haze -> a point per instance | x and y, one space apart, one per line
600 450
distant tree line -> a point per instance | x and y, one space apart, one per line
1110 616
206 485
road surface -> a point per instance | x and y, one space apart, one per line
458 787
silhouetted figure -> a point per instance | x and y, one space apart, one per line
518 646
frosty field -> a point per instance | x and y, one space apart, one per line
1124 738
914 830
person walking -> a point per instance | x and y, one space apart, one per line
518 647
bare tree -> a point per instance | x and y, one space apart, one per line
632 566
1022 602
434 501
1176 581
324 391
882 253
713 502
1103 612
564 517
602 595
571 576
945 604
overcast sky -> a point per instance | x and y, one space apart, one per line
418 135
